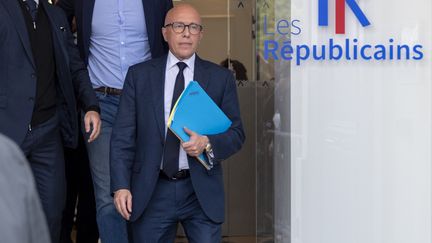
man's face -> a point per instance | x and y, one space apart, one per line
182 45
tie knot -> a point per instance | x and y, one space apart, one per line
181 66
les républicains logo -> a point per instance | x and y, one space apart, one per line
283 48
340 14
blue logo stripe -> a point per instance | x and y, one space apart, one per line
358 12
323 12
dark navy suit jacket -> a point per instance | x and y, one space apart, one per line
139 133
18 74
154 10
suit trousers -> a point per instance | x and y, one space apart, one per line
44 151
173 202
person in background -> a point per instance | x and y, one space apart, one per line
113 35
80 208
41 78
239 70
22 217
157 181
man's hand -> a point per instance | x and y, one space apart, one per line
196 145
92 119
123 203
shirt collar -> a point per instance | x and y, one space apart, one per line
37 2
173 60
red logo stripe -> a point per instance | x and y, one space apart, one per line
340 16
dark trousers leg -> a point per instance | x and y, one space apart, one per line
44 150
87 230
198 227
71 196
175 202
80 196
159 221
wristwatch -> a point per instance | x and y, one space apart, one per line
209 152
208 147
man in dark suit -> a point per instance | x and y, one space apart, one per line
157 181
113 35
41 75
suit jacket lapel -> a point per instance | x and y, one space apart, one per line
200 73
15 12
157 85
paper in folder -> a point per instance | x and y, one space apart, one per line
195 110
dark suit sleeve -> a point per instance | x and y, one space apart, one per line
80 77
123 138
68 7
169 5
228 143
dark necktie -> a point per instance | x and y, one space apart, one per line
31 6
172 143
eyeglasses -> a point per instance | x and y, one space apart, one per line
179 27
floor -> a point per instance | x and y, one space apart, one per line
236 239
240 239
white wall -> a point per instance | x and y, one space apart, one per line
361 132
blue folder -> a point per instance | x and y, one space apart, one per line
195 110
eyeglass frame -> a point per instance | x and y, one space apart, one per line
184 27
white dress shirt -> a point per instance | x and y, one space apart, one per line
171 72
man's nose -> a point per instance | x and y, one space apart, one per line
186 31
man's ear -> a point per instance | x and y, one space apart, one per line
164 33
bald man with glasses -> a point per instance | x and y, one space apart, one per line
157 180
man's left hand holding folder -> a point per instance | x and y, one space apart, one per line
196 144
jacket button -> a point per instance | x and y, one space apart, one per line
33 75
31 99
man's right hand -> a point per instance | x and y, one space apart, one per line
123 202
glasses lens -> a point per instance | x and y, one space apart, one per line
194 28
178 27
